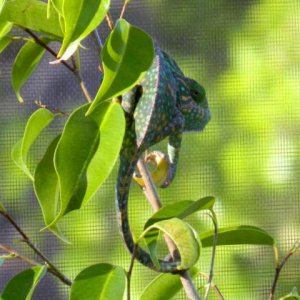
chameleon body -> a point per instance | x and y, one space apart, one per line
164 104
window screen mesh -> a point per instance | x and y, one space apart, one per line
247 55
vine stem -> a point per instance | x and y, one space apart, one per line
280 266
154 200
73 68
50 266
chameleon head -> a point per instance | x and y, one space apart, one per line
193 105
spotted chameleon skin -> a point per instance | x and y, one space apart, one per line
164 104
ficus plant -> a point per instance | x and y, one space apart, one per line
68 174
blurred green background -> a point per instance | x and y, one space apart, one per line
247 55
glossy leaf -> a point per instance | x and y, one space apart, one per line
47 189
5 28
22 286
35 125
181 210
183 237
164 286
2 2
81 17
58 5
4 43
2 208
238 235
32 14
87 152
293 295
25 63
127 54
99 282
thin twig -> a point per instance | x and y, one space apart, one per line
122 14
129 273
109 21
73 68
51 108
213 254
51 268
97 40
14 254
45 46
213 286
153 198
279 268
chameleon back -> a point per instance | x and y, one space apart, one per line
153 112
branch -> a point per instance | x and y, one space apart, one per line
153 198
45 46
51 268
279 268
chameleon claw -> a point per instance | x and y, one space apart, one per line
158 165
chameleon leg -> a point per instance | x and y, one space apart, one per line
173 153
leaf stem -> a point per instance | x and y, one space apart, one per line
279 268
153 198
213 254
51 268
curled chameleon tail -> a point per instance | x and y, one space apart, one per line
165 104
128 161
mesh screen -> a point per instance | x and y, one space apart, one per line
246 54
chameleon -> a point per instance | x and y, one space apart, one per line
164 104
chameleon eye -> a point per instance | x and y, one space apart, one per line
195 93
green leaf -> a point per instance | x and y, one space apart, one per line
47 189
81 17
5 28
293 295
35 125
5 42
183 237
127 54
1 263
2 208
180 210
32 14
2 2
25 63
58 5
165 286
238 235
87 152
22 286
99 282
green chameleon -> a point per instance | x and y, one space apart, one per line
164 104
